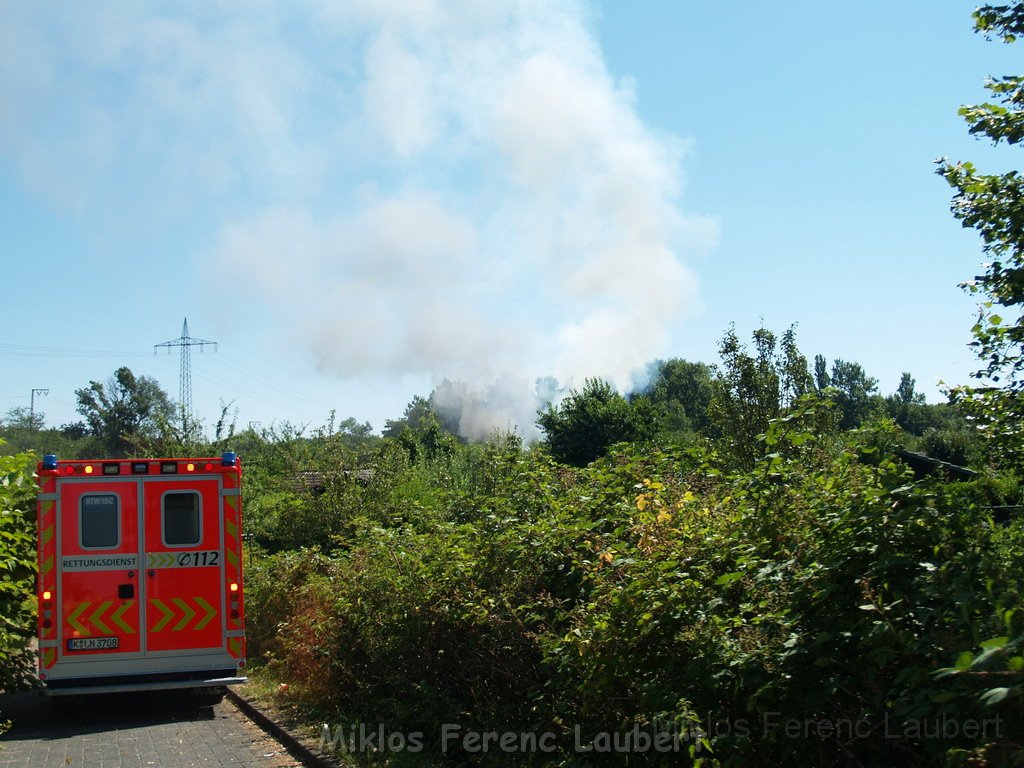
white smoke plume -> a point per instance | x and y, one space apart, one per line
530 223
455 189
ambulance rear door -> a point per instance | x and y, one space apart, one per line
98 572
183 549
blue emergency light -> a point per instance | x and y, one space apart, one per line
229 459
50 461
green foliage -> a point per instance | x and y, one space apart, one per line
587 422
428 441
17 570
315 490
998 417
993 205
23 418
856 393
1005 21
956 446
681 392
45 441
124 411
755 387
416 412
655 589
907 407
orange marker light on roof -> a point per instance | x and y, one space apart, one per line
46 595
88 470
190 467
234 587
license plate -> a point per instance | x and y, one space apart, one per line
92 643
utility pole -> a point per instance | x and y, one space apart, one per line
32 407
185 342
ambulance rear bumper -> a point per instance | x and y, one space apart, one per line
130 687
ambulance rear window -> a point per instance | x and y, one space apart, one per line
99 523
181 519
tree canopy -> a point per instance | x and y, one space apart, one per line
123 410
587 422
681 391
993 205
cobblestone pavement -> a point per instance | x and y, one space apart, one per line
132 730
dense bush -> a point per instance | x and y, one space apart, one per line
822 591
17 569
589 421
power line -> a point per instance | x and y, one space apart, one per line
234 388
260 378
254 386
25 350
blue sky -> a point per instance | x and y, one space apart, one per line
356 200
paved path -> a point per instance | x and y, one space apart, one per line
132 730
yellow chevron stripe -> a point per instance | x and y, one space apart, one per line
47 565
159 559
168 614
46 536
97 617
187 611
232 529
73 619
116 617
210 612
49 657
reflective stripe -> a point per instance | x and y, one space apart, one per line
187 613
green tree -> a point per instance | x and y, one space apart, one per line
993 205
821 377
75 431
795 378
416 412
429 441
681 391
124 411
856 393
587 422
755 387
23 418
906 406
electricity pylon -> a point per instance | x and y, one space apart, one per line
186 343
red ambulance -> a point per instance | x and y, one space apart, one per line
140 575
